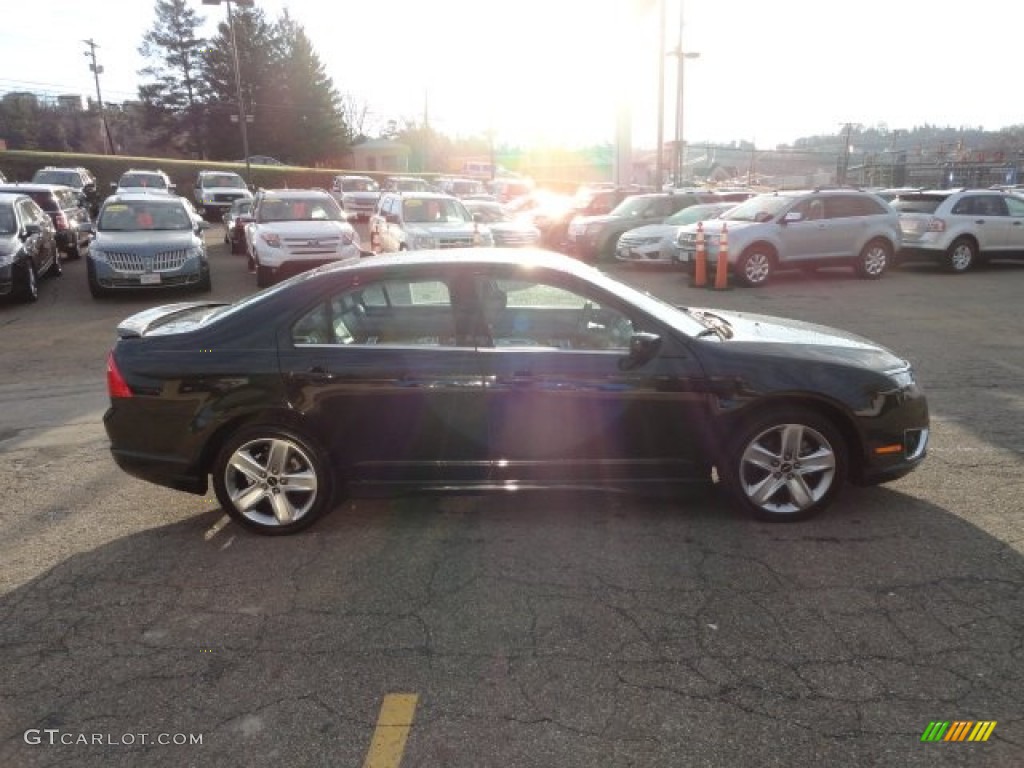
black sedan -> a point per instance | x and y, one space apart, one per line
28 247
493 369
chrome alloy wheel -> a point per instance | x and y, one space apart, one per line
756 267
787 469
961 256
271 481
875 260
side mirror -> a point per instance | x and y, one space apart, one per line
113 185
203 225
642 349
172 187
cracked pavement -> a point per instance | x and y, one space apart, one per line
536 629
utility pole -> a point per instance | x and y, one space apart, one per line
660 164
844 156
242 116
96 70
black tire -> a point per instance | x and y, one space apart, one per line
251 476
961 255
755 266
97 290
29 291
205 285
764 482
874 260
56 269
263 277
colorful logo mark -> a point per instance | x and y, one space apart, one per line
958 730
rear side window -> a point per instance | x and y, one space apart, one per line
918 203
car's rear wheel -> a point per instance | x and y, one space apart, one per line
755 266
30 283
961 255
873 260
786 464
273 480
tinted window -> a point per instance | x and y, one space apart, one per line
44 200
8 224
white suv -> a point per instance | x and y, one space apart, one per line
215 191
358 195
419 220
137 180
297 229
959 228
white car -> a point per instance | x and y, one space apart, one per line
215 191
358 195
297 229
137 181
417 220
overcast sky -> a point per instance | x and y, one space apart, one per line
554 71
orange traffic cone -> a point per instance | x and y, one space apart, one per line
700 266
722 272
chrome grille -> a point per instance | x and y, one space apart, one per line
514 239
311 245
633 241
455 242
166 261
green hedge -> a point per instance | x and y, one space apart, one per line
18 165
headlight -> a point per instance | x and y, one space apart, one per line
902 378
350 238
271 239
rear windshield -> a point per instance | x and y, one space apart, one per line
230 180
143 180
359 185
44 200
66 178
918 203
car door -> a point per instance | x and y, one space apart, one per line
988 218
1015 228
381 367
41 246
846 227
805 238
561 407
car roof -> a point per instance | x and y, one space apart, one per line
306 192
140 197
31 187
6 196
419 195
468 258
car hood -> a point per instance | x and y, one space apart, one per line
714 226
443 226
597 219
311 229
805 340
226 190
149 241
654 230
512 226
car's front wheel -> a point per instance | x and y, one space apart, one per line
785 465
755 266
873 260
961 255
273 480
30 283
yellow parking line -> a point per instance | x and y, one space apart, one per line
393 725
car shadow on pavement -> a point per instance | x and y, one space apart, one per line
536 629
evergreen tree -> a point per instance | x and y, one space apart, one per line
171 100
256 39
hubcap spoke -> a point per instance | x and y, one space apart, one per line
761 457
299 481
761 492
283 511
247 465
249 497
792 437
820 460
277 460
801 495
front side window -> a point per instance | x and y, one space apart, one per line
8 223
415 312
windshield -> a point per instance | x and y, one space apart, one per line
760 209
7 222
489 214
696 213
151 180
411 185
224 180
436 210
65 178
359 185
636 206
144 216
299 209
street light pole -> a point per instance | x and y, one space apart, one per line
660 165
238 81
680 57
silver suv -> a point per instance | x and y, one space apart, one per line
418 220
959 228
215 191
800 230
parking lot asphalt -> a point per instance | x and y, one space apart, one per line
543 629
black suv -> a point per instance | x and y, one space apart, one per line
589 201
65 208
79 179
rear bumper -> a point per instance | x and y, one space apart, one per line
160 470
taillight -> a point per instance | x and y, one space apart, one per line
936 225
116 385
